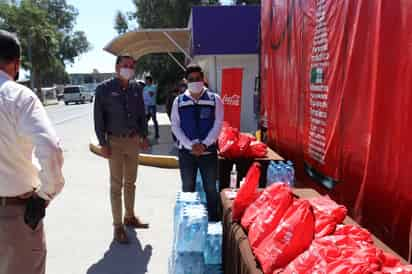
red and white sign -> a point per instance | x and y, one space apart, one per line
232 95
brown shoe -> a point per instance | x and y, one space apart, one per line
135 223
120 235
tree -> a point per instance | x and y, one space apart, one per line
45 29
121 24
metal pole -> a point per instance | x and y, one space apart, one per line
177 61
177 45
29 55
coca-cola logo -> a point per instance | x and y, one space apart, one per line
233 100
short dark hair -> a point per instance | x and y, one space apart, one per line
149 78
121 57
10 48
193 68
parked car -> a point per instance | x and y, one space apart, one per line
77 94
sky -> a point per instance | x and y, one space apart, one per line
96 19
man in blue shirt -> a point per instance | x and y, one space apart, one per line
197 117
149 94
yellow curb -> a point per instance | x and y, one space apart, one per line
162 161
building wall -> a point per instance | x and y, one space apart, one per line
213 66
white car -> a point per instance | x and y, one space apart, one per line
76 94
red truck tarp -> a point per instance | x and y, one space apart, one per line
337 99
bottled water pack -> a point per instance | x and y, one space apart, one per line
192 229
280 172
187 263
213 251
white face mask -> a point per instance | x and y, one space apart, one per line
126 73
195 87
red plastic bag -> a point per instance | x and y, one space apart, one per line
319 254
256 150
269 217
337 254
247 193
327 215
293 236
393 265
400 269
227 142
244 143
261 202
355 232
357 260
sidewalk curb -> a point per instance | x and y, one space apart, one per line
51 104
161 161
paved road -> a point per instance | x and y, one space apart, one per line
78 223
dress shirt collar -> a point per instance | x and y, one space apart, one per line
4 75
119 84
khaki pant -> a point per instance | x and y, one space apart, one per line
22 250
123 173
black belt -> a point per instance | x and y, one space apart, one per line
131 134
6 201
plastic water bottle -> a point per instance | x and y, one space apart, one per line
283 173
278 173
200 189
271 176
291 173
233 178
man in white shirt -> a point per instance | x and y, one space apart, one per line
24 128
197 117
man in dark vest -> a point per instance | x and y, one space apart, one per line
197 116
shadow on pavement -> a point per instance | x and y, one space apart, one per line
124 259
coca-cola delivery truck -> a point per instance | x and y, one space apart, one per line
336 97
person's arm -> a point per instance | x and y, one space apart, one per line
99 123
176 129
217 126
35 124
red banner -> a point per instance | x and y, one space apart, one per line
232 95
336 95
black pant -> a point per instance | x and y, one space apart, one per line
189 164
